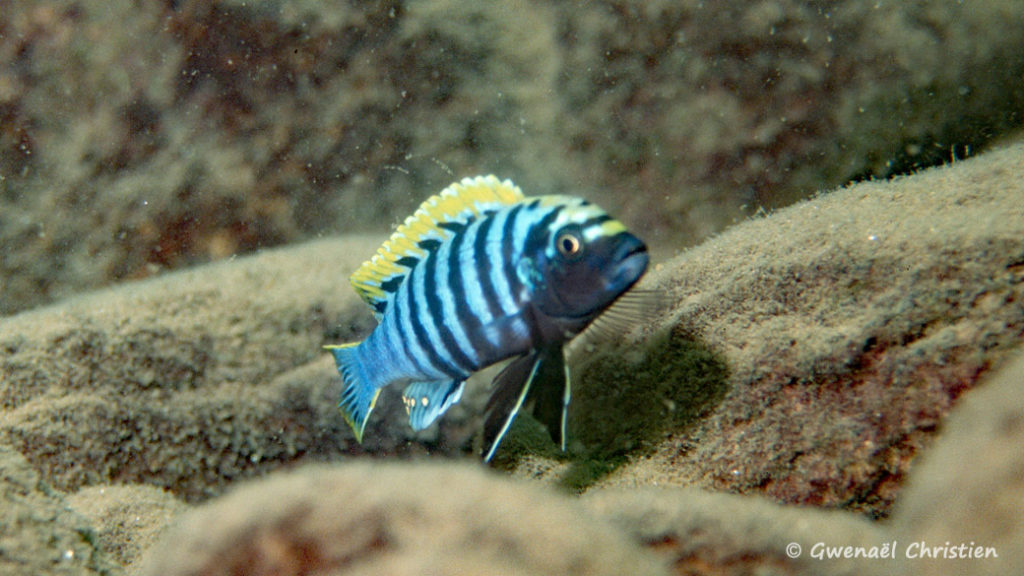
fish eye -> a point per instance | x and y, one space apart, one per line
569 244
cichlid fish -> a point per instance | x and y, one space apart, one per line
478 274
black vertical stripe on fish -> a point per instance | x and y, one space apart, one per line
391 285
539 233
507 270
594 221
471 323
483 268
454 227
454 279
405 339
435 267
429 244
422 339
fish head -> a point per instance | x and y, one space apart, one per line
584 262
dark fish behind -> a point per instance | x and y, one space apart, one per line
478 274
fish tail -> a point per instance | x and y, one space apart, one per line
358 396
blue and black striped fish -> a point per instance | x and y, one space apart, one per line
478 274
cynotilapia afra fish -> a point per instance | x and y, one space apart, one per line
478 274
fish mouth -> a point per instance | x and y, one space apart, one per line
617 264
631 263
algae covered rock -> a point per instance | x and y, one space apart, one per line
966 496
701 532
139 136
845 328
39 534
394 519
194 379
959 512
125 519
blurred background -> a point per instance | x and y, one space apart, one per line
139 136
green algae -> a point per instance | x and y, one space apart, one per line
526 437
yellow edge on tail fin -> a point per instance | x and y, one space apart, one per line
357 427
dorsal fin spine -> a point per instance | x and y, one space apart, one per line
454 206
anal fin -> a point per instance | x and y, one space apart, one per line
426 401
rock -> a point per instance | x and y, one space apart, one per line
239 125
193 380
843 329
963 497
126 519
966 495
700 532
39 534
394 519
695 531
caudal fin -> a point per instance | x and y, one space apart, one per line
357 396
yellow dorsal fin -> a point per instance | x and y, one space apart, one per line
457 204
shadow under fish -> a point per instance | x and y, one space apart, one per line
478 274
541 381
